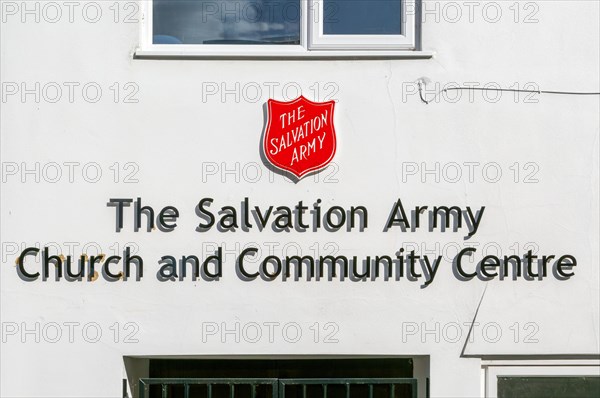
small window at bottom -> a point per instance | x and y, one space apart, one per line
549 387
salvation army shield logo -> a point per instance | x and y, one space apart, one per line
299 137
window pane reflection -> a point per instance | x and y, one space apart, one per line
362 17
226 21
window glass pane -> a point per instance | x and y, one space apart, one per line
226 22
549 387
362 17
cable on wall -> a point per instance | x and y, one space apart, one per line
422 82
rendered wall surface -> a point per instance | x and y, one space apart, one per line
179 140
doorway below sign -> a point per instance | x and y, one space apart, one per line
277 377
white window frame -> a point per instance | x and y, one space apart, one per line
406 40
312 43
545 368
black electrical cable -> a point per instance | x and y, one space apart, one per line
502 90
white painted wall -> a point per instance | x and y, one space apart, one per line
171 132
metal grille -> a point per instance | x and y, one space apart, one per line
210 385
348 388
283 388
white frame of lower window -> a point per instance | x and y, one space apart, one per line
547 368
397 50
407 40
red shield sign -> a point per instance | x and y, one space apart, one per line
299 137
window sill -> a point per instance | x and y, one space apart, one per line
282 56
